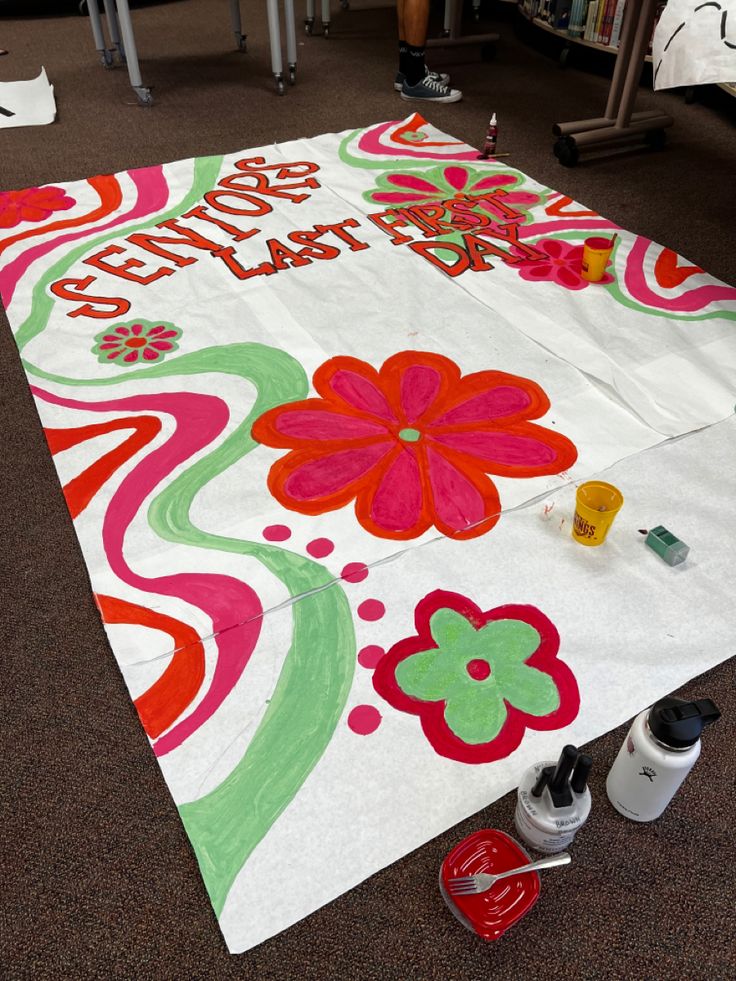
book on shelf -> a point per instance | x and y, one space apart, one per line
577 18
598 28
617 21
608 16
590 20
562 15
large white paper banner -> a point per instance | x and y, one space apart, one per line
319 410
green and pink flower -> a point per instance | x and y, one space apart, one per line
478 679
405 188
136 341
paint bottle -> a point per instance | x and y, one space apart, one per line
489 144
661 748
553 801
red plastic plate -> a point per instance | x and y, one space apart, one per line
491 913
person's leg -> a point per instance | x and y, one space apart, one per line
414 18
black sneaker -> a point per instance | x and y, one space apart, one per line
430 90
442 77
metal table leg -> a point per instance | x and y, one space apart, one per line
106 54
309 19
134 71
237 24
325 18
290 39
112 26
274 36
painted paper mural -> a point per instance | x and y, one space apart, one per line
304 403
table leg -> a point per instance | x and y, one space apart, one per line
237 24
325 18
112 26
290 39
309 19
274 36
96 23
134 71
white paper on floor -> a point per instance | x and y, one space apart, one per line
695 43
29 103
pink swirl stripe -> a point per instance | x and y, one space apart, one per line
696 299
153 194
565 225
370 142
224 599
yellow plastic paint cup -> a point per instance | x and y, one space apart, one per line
596 505
596 253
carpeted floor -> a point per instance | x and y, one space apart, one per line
98 879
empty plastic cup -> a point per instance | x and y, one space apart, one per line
596 505
596 253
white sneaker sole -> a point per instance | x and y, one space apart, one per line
455 96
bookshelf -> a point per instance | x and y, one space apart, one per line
532 11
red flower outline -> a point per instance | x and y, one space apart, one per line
431 714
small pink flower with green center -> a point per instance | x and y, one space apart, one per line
136 341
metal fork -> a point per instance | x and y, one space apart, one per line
467 885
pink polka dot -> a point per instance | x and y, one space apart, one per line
364 719
371 609
276 533
478 669
320 547
355 572
369 656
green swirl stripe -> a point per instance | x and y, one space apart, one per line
227 824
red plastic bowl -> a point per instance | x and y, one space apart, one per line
491 913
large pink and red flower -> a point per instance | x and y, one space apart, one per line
451 180
32 204
412 444
478 679
563 265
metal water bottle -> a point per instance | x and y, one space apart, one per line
659 751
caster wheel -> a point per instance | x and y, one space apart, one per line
309 26
488 52
566 151
107 58
292 74
345 4
82 7
242 46
444 33
145 97
326 31
280 87
564 56
656 139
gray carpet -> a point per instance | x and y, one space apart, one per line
98 878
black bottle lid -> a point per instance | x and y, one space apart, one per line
678 723
559 782
580 773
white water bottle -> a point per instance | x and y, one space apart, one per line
659 751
